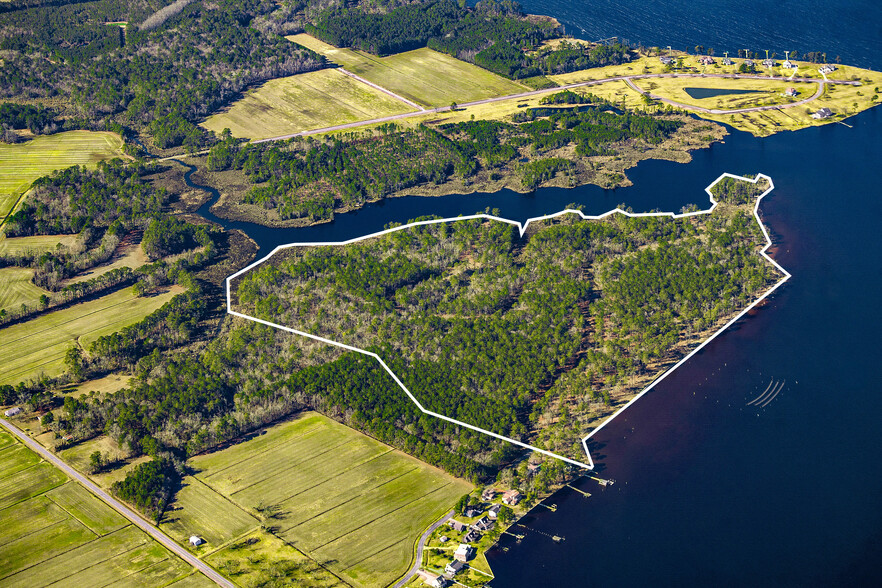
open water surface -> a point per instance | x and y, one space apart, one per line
712 491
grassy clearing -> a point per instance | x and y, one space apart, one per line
16 287
106 385
424 76
253 558
763 92
55 531
131 256
199 509
38 346
37 244
349 502
23 163
307 101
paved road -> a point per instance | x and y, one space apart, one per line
419 554
627 79
119 507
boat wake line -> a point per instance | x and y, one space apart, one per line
522 227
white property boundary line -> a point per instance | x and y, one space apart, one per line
522 228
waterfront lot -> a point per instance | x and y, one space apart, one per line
756 92
39 345
22 163
55 530
306 101
351 503
423 76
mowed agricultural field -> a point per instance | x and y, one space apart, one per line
16 288
423 76
23 163
39 345
35 244
56 531
352 504
306 101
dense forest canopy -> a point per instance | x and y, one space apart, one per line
163 79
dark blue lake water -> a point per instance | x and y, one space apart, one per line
710 490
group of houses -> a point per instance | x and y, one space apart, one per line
472 534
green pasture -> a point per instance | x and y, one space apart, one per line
306 101
39 345
424 76
55 532
22 163
349 502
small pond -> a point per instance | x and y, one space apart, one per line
699 93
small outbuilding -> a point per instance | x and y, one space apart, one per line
196 541
13 411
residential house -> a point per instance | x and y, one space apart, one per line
748 62
457 526
12 411
512 497
472 537
493 511
483 524
443 539
727 61
823 113
454 567
706 60
464 552
791 92
788 65
471 511
666 60
533 468
825 69
488 494
768 63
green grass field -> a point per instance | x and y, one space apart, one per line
39 345
55 531
352 504
16 287
38 243
424 76
307 101
23 163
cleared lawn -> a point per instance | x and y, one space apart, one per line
37 243
757 92
55 531
23 163
348 501
16 288
273 555
207 514
307 101
131 256
39 345
424 76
